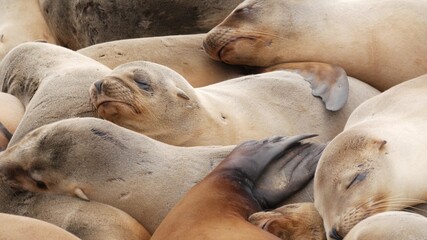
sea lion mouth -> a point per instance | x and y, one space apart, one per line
106 102
227 50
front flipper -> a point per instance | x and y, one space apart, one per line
285 176
329 82
251 157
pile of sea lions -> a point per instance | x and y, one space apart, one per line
171 120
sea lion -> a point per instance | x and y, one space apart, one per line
50 81
18 227
393 225
219 205
86 220
182 53
376 163
11 112
79 24
160 103
381 43
22 21
298 221
61 157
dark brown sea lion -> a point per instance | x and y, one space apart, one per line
219 205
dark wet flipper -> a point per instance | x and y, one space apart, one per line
329 82
251 157
287 175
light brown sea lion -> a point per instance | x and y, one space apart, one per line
137 174
79 24
298 221
393 225
219 205
382 43
21 21
11 112
87 220
18 227
160 103
182 53
51 81
376 164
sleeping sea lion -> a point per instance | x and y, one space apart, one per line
382 43
158 102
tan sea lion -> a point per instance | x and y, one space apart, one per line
61 157
379 42
79 24
160 103
393 225
18 227
219 205
86 220
11 112
51 82
182 53
298 221
21 21
376 164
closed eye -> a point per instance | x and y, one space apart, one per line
358 178
144 85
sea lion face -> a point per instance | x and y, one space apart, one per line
34 152
354 180
293 221
245 34
144 97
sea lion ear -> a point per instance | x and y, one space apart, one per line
329 82
180 93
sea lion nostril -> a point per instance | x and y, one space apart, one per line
41 185
334 234
98 85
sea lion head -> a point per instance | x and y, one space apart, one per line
355 179
250 30
23 164
42 161
145 97
292 221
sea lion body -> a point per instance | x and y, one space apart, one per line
160 103
393 225
132 165
78 24
381 43
182 53
374 164
17 227
22 21
50 81
86 220
11 112
219 205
